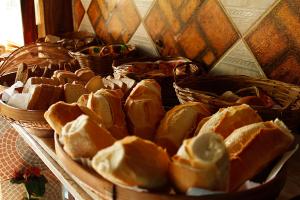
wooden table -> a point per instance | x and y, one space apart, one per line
44 148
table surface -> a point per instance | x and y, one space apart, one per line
44 148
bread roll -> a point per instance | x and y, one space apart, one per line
73 92
107 104
228 119
253 147
61 113
43 95
133 161
84 74
144 108
95 84
178 124
66 77
201 162
83 138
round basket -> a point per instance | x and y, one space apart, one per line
107 190
208 89
32 120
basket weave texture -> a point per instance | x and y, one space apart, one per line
208 89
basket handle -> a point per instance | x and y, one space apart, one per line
188 70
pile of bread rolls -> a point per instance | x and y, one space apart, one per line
39 93
138 144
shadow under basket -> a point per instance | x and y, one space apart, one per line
208 90
108 191
32 121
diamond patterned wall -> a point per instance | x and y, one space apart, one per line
256 38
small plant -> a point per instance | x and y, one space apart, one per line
33 181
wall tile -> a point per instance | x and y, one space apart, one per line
238 60
86 4
199 30
143 41
275 42
143 6
78 13
86 25
114 21
244 13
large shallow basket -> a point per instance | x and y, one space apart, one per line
32 120
208 89
109 191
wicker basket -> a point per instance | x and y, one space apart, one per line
207 89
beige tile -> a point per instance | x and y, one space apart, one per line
238 61
143 41
86 4
86 24
245 12
143 6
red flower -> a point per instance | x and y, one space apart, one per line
36 171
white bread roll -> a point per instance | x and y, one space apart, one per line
201 162
83 138
228 119
107 104
61 113
95 84
144 108
133 162
178 124
253 147
84 74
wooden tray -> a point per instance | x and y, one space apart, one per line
107 190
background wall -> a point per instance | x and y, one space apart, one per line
251 37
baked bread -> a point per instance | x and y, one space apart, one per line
65 76
73 92
94 84
228 119
43 95
178 124
107 104
23 73
61 113
201 162
144 108
133 162
83 138
84 74
253 147
39 80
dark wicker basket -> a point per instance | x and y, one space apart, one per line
208 89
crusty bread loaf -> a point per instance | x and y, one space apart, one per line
84 74
252 147
133 161
94 84
73 92
202 162
107 104
39 80
23 73
65 76
144 108
83 99
43 95
178 124
228 119
83 138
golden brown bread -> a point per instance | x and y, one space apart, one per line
178 124
144 108
39 80
94 84
133 162
65 76
254 146
84 74
107 104
73 92
201 162
83 138
228 119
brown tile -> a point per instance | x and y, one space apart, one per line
176 3
188 9
169 15
155 22
217 27
209 58
78 12
114 21
93 12
191 41
170 47
287 71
